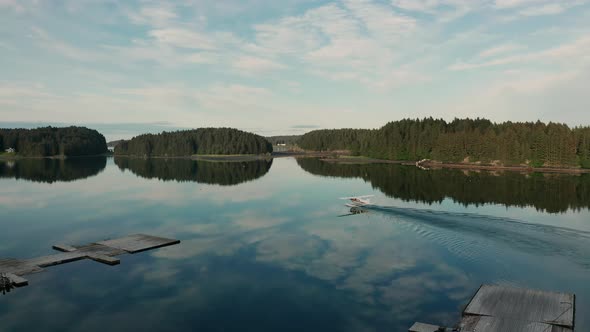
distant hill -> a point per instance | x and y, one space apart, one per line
112 144
202 141
289 139
52 141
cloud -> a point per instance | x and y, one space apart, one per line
305 127
444 10
12 4
160 15
576 51
500 49
250 64
183 38
417 5
332 61
515 3
68 50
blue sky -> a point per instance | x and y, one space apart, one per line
289 66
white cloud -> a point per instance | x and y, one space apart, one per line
193 60
183 38
576 51
250 64
233 97
160 15
381 21
12 4
503 4
548 9
444 10
66 49
500 49
417 5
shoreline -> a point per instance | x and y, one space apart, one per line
239 157
336 157
522 169
350 160
212 158
17 157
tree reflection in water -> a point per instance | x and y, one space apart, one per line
225 173
553 193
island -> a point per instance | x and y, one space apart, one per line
195 142
51 142
462 142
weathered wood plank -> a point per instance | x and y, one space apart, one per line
494 324
102 252
138 243
64 247
505 309
523 304
57 259
104 259
16 280
421 327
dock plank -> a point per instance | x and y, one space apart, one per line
64 247
421 327
523 304
104 259
496 308
102 252
139 242
494 324
17 280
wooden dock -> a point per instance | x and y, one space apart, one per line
505 309
102 252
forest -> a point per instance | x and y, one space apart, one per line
286 139
52 141
202 141
534 144
553 193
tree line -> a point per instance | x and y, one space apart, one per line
534 144
200 141
553 193
285 139
52 141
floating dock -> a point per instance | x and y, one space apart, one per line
102 252
505 309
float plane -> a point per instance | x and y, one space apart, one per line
358 201
357 204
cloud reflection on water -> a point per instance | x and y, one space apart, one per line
267 253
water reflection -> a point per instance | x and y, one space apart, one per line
271 255
546 192
187 170
52 170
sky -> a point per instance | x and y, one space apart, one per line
280 67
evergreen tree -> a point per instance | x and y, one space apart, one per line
474 140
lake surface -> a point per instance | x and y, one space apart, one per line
265 246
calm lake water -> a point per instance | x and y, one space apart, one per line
264 246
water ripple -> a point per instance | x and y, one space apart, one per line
471 235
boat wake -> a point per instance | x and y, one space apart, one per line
473 235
